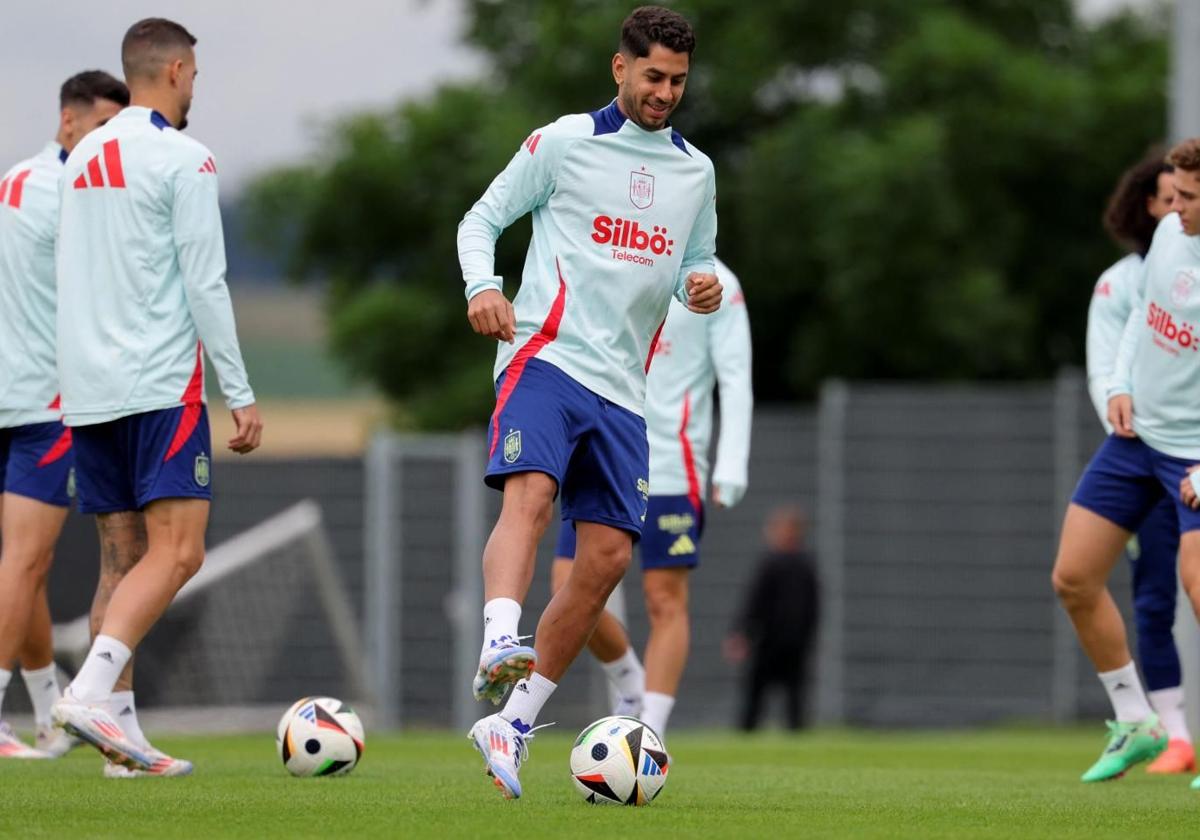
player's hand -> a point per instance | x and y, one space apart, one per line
726 494
704 293
1187 490
248 434
1120 415
491 314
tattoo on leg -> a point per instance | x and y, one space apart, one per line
122 544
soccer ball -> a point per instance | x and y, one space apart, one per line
618 760
319 736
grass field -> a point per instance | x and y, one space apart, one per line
1004 783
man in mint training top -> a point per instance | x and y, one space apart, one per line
36 458
141 300
624 218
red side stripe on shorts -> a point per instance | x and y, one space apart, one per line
689 460
193 404
60 448
528 350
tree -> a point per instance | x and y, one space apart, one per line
907 188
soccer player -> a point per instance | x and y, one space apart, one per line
141 298
1154 409
35 447
693 353
624 217
1142 197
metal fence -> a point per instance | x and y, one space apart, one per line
935 513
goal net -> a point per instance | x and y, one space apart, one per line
265 621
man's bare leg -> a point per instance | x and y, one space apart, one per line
666 593
122 544
610 640
508 564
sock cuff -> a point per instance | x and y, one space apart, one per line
5 676
113 644
46 671
541 682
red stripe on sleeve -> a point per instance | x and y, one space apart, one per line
3 190
689 459
80 182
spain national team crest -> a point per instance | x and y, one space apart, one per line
201 473
512 446
641 189
1182 288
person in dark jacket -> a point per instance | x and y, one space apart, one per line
774 632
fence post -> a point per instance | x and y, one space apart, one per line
466 598
383 552
1064 682
830 540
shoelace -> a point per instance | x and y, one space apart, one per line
523 739
509 641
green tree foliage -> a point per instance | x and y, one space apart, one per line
907 188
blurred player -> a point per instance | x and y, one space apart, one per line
693 353
1141 199
624 217
1154 409
142 296
35 447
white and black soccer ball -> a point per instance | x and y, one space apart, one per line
319 736
618 760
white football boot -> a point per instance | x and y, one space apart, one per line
94 725
504 748
504 663
163 766
13 747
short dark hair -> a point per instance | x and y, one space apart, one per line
650 25
86 87
149 43
1126 218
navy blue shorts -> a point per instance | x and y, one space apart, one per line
129 462
597 451
36 461
1127 478
670 540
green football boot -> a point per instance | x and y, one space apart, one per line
1128 743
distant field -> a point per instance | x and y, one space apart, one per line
1019 784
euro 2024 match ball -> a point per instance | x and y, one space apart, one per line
319 736
618 760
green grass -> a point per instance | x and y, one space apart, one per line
999 783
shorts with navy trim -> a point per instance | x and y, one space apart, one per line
127 463
596 450
37 461
670 540
1127 478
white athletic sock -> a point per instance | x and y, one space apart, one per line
121 706
1168 703
656 708
500 619
626 674
42 685
5 676
1125 692
526 700
101 670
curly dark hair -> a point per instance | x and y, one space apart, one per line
650 25
1126 218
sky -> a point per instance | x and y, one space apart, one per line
271 71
